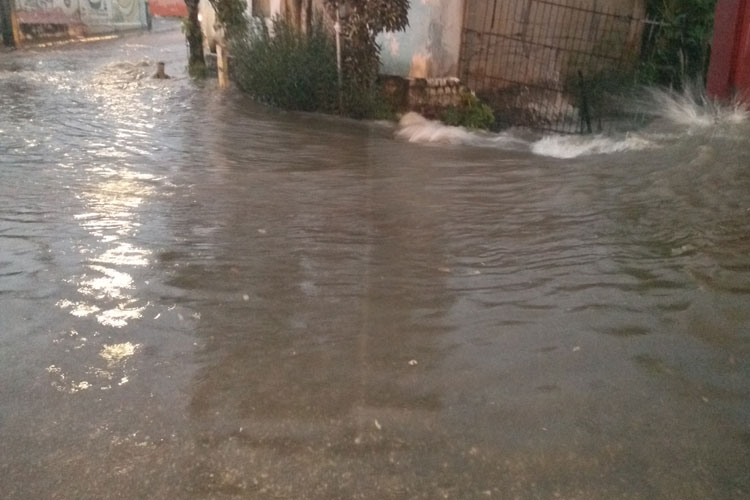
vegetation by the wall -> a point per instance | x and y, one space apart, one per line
297 70
289 69
231 15
471 113
679 49
361 22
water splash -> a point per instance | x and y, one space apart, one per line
683 113
418 129
414 127
692 108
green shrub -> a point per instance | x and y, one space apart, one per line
472 113
288 69
294 70
365 102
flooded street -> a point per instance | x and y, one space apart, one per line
201 297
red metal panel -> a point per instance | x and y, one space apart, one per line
741 77
168 8
726 20
729 71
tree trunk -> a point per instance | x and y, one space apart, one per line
196 64
6 27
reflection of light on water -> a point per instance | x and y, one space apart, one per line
116 353
62 385
111 285
100 374
119 316
115 356
108 285
112 203
124 254
78 309
111 218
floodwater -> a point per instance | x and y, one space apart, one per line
204 298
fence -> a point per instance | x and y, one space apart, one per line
540 63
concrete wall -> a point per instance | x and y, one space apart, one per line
430 46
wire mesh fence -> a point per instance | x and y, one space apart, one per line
543 63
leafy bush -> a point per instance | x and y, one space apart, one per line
361 23
472 113
296 70
365 103
288 69
230 14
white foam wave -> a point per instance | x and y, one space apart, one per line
414 127
570 146
685 113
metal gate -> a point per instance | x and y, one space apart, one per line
539 63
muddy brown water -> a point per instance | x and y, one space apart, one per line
204 298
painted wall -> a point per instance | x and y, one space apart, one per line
107 15
95 16
430 46
50 11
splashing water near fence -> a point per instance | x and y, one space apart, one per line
674 117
